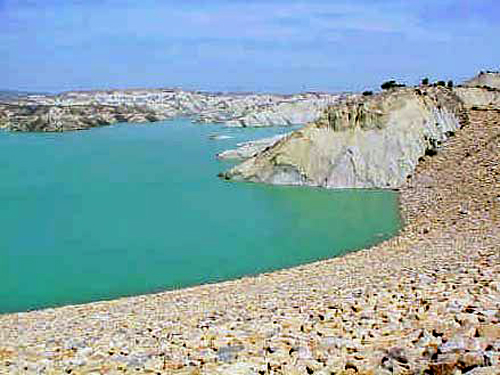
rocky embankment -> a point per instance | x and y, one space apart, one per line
46 118
82 110
424 302
367 142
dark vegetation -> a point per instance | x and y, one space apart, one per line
440 83
391 85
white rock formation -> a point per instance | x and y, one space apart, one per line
232 109
372 142
479 97
286 113
248 149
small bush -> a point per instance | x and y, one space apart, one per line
441 83
390 85
450 84
425 81
367 93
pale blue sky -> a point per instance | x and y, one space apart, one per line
243 45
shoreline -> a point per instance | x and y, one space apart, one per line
378 238
395 306
73 111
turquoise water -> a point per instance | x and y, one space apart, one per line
132 209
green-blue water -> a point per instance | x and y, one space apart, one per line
132 209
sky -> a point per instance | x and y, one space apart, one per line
236 45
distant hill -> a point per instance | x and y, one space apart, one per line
14 94
488 79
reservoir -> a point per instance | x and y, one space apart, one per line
132 209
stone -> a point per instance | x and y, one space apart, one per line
229 353
484 371
490 331
442 368
237 369
473 359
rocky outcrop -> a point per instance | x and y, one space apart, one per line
481 92
480 98
282 114
248 149
232 109
485 79
371 142
49 118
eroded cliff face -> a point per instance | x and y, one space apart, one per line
372 142
84 109
284 114
485 79
481 98
49 118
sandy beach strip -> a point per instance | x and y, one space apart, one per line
426 300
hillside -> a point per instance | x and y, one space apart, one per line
368 142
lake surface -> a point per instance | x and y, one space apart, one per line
132 209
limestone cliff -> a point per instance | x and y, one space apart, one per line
370 142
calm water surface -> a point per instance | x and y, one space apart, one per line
132 209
